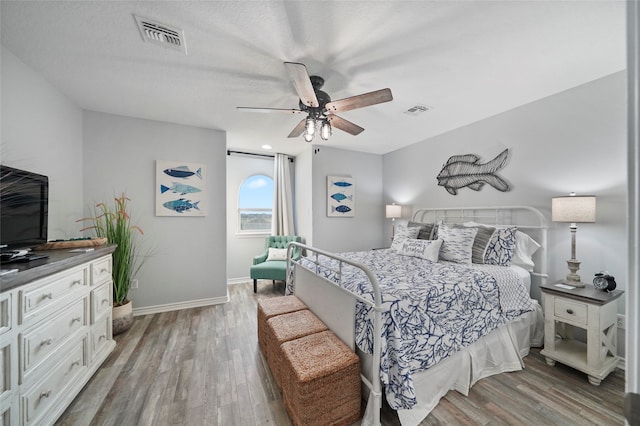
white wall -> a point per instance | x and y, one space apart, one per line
42 133
303 167
242 248
364 230
572 141
190 259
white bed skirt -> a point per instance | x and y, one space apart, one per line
500 351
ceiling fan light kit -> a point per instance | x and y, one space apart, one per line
319 108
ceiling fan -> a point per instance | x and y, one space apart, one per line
319 108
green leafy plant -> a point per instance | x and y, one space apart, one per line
114 224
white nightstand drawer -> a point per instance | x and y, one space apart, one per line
568 309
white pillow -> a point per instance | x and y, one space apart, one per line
277 254
402 233
424 249
457 243
524 250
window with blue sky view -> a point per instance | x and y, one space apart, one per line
255 202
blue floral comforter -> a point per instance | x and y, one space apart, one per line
431 310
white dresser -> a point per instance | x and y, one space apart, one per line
55 331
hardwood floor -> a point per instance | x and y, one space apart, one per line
202 366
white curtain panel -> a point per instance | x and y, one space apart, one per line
282 218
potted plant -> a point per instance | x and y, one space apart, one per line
114 224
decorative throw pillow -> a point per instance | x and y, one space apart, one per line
402 233
480 243
277 254
525 247
424 249
426 229
501 247
457 243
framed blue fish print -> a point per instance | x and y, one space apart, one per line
341 196
180 189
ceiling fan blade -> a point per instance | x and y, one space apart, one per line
360 101
297 131
288 110
302 83
344 125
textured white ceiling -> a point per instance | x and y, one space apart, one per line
468 60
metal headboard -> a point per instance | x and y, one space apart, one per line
527 219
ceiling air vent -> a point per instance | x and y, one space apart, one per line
162 34
417 109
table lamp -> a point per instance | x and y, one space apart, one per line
394 211
573 209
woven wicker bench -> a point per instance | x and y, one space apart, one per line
321 380
268 308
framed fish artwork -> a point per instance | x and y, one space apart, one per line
180 188
341 196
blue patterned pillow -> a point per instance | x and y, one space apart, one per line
501 247
457 243
401 234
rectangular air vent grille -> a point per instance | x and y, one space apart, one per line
417 109
162 34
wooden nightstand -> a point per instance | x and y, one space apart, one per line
587 308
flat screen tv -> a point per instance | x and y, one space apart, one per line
24 201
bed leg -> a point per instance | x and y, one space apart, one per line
255 285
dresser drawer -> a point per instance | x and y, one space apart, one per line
43 340
100 335
570 310
44 395
101 270
51 290
6 305
8 368
100 301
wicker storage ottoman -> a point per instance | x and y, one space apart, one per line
321 385
286 327
268 308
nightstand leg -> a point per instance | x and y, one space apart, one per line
594 381
550 361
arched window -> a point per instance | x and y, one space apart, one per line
255 204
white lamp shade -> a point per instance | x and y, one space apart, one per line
394 211
574 209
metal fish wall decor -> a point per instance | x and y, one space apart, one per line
462 171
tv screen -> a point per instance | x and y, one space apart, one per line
24 200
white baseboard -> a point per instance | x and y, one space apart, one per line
239 280
180 305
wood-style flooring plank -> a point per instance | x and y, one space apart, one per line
203 366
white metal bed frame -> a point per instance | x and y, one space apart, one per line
339 313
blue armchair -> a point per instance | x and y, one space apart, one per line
263 269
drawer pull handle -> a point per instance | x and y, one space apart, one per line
46 342
104 270
47 296
76 282
105 301
74 363
45 394
570 311
75 319
103 336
